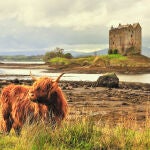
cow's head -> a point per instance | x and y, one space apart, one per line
46 90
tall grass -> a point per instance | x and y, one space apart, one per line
83 133
79 134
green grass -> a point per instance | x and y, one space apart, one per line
113 56
78 135
8 142
109 60
89 59
59 61
113 60
83 60
74 61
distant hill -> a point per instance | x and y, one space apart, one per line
99 52
21 58
145 52
22 53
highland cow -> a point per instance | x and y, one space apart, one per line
46 91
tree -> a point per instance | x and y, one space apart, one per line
57 52
49 55
115 51
68 55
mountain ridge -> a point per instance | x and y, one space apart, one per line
145 52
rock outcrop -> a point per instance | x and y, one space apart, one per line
108 80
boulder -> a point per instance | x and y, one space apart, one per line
109 80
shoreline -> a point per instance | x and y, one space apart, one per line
82 84
102 103
78 69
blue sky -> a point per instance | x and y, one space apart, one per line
79 25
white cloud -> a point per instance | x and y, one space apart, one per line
81 47
79 14
76 14
39 24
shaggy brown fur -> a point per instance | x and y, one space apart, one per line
46 91
17 108
19 104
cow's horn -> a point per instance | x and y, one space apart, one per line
33 77
58 78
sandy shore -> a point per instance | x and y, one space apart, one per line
110 104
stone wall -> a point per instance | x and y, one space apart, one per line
126 39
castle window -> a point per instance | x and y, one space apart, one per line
131 35
113 43
129 30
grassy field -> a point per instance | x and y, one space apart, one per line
80 134
103 61
73 61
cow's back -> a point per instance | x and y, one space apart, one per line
11 92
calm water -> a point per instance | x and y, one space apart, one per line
23 62
24 73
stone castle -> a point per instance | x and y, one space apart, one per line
126 39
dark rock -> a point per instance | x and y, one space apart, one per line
124 103
63 87
16 81
109 80
75 85
66 86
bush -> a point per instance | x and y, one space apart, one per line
115 51
68 55
110 51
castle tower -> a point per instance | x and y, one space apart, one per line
126 38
